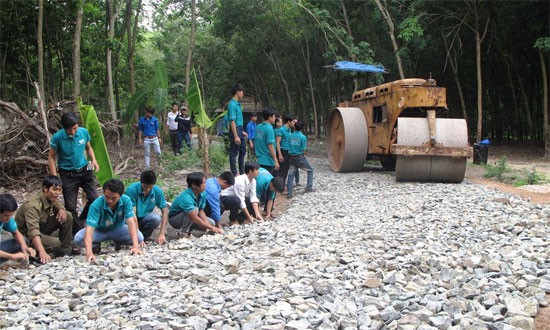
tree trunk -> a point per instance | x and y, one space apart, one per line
277 69
530 128
76 50
479 133
311 88
517 112
391 32
111 17
40 48
545 105
132 36
453 62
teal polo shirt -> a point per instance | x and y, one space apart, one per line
297 143
235 112
264 137
9 226
284 133
145 204
101 217
187 202
70 149
262 184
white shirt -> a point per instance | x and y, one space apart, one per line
171 121
242 188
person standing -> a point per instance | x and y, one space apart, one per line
296 149
110 218
237 147
145 195
282 138
265 142
173 128
68 146
149 135
42 215
187 210
214 186
251 131
15 248
184 127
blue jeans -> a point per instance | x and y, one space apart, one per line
184 135
235 150
149 143
149 223
120 234
296 163
9 246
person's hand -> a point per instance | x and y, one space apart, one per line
96 166
44 257
216 230
245 135
90 257
161 239
276 165
141 141
259 217
61 216
19 256
160 140
29 251
136 250
237 141
281 159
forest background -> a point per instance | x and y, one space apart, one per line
492 56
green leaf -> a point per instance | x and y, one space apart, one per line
160 74
136 103
194 99
91 123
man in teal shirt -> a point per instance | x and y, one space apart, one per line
69 145
265 142
237 136
145 195
16 248
110 218
187 210
296 149
267 188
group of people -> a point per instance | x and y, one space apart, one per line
42 227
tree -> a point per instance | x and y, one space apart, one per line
76 50
543 45
391 32
112 13
40 43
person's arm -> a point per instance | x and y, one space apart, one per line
269 206
51 162
279 151
255 201
61 212
132 229
88 235
233 127
272 152
161 239
240 191
13 256
91 155
140 133
24 247
199 218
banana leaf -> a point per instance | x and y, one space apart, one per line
194 99
91 123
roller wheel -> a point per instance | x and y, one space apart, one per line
347 140
415 132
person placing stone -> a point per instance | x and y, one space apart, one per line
39 217
187 210
110 218
214 209
15 248
267 188
145 195
242 197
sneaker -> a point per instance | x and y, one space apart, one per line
309 190
75 250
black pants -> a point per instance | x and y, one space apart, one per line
237 150
233 204
174 141
208 210
72 181
284 166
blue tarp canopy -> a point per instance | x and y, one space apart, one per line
360 67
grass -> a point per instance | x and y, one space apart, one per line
503 173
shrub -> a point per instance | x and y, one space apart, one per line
497 170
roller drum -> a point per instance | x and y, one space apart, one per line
348 139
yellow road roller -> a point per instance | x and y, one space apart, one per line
400 124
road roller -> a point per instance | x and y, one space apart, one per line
400 123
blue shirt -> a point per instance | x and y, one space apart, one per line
213 190
187 202
70 149
263 180
235 113
149 127
297 143
145 204
264 137
251 130
284 133
9 226
101 217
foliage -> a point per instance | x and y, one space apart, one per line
531 178
497 170
196 107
